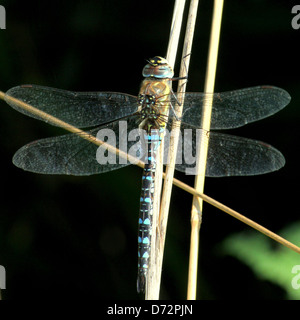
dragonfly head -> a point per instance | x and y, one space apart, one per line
157 60
158 67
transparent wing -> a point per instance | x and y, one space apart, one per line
85 109
80 109
235 108
73 155
229 155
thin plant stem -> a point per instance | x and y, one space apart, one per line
167 189
156 255
236 215
197 207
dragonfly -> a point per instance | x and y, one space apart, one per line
107 113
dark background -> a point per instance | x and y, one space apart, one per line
75 237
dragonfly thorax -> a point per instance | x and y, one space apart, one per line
154 101
148 105
158 67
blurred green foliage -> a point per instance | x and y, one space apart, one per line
268 260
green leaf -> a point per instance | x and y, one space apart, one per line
269 262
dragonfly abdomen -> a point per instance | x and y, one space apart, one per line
146 208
